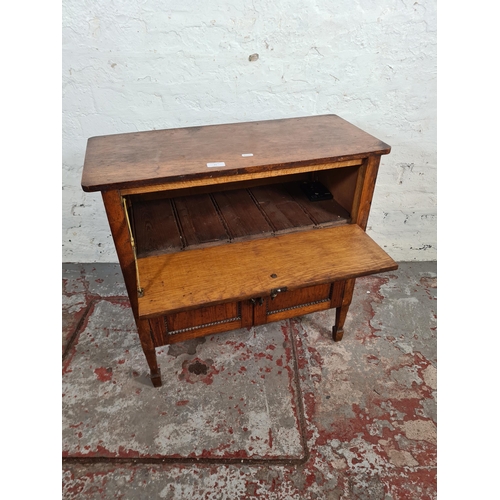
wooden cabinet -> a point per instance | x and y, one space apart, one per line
214 230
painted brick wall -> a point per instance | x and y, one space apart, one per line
154 64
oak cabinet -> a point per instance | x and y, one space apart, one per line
216 227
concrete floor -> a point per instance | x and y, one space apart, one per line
276 412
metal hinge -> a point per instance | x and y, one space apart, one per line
140 291
258 301
275 291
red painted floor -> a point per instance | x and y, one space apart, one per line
278 411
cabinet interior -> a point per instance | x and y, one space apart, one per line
183 219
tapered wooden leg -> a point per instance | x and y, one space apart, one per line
156 378
341 312
149 351
338 328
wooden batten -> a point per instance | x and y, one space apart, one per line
166 225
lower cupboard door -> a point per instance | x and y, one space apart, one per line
294 303
180 326
194 323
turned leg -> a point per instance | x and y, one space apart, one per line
341 312
149 351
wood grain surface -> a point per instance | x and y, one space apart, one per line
152 157
155 226
299 297
240 214
203 277
168 225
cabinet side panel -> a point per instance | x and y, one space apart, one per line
341 182
367 191
121 237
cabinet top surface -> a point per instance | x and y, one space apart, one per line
160 156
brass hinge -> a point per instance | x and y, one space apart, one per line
275 291
140 291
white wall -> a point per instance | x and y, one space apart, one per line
155 64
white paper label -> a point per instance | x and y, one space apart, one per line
216 164
247 154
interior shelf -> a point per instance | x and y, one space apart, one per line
169 225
